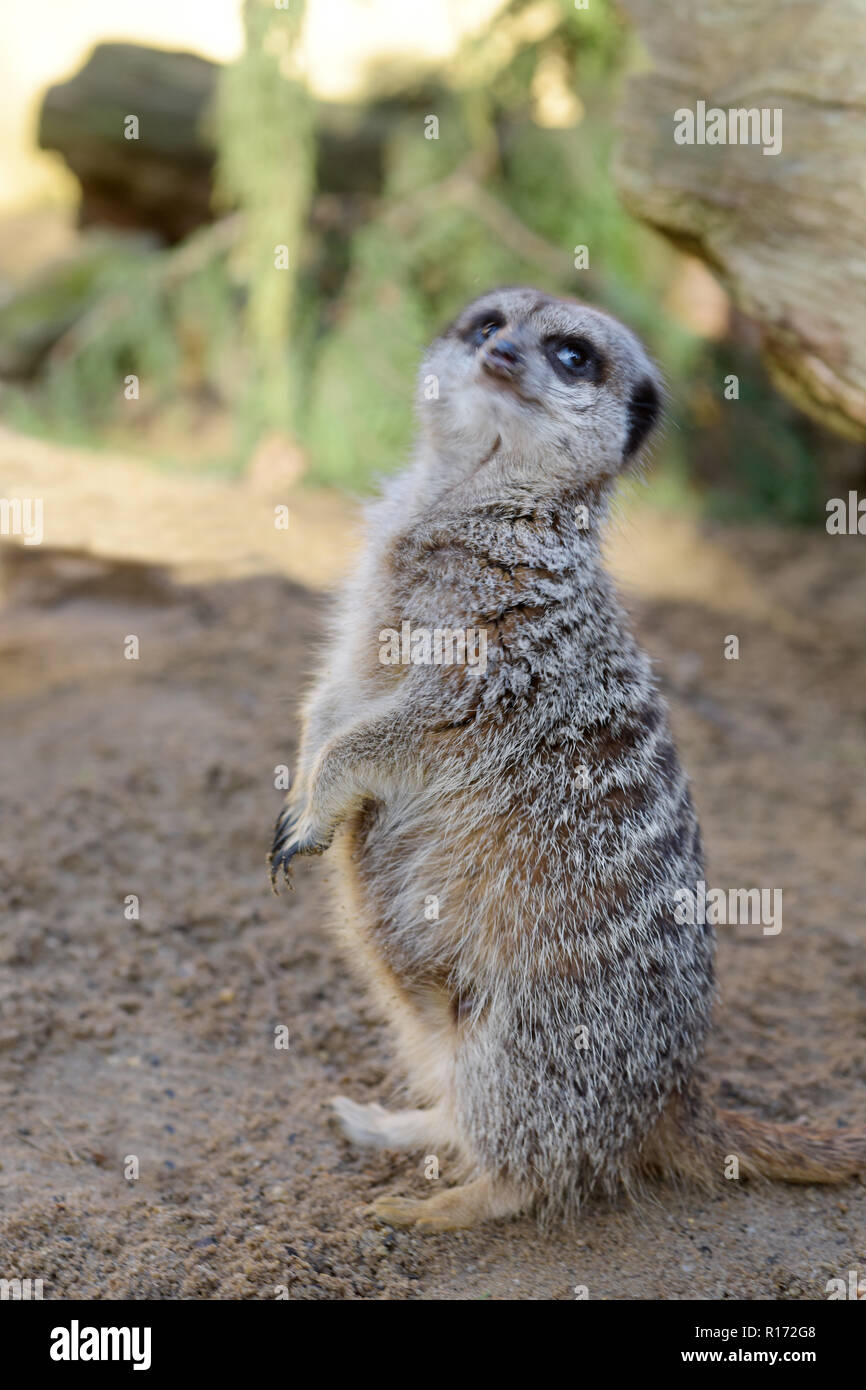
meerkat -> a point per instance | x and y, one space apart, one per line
511 835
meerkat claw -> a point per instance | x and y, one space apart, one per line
284 851
287 843
281 861
286 822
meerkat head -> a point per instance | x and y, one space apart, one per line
530 389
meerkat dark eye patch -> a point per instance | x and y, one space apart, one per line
643 411
483 326
574 360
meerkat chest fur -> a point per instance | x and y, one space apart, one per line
542 785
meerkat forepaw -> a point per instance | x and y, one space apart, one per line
293 834
282 850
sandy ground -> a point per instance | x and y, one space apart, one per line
155 1038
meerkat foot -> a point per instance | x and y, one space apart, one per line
375 1127
453 1210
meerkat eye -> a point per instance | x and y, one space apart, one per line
484 327
574 359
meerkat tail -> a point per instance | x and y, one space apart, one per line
793 1153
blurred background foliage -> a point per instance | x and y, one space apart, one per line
285 321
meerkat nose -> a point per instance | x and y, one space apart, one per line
503 358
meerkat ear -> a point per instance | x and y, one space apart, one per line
643 411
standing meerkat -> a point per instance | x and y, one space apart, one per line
512 829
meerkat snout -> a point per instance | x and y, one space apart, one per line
561 387
503 355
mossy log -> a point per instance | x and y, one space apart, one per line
159 180
162 181
785 232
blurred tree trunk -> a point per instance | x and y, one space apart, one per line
265 167
785 232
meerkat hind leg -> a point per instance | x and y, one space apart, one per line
456 1208
375 1127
